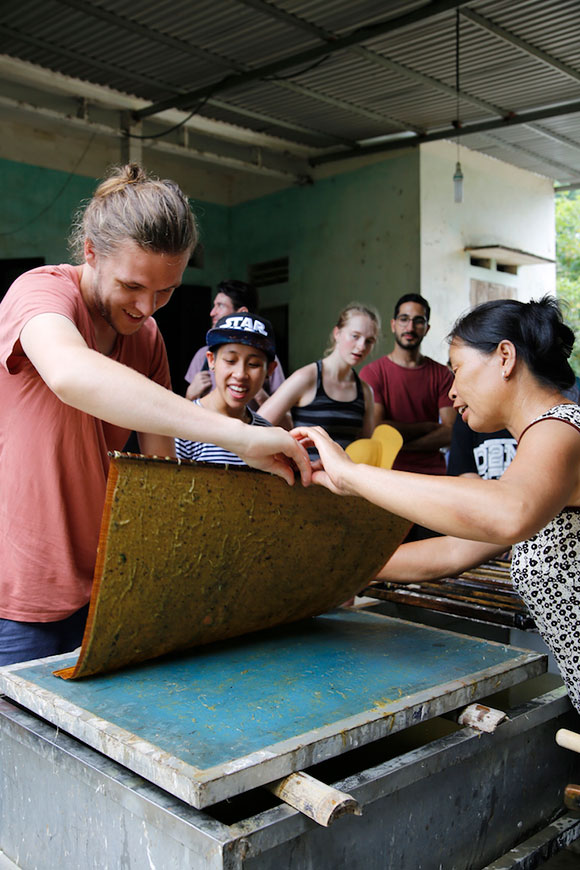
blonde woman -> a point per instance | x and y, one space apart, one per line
329 393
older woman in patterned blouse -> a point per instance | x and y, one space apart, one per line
510 361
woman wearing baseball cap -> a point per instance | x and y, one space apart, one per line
241 354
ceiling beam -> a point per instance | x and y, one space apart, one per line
77 56
187 48
372 57
195 145
527 47
352 108
37 86
522 149
362 34
121 21
377 59
512 120
324 139
555 137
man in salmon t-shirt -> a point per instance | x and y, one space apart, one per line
81 365
411 391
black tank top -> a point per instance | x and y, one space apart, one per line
342 420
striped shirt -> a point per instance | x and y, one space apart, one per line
199 451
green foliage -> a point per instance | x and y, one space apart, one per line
568 264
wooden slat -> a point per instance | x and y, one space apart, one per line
485 594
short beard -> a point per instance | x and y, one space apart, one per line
102 308
417 342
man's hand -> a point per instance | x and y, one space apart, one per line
199 386
272 449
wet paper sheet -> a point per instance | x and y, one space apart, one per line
190 554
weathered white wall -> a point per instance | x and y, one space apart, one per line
50 145
350 236
501 205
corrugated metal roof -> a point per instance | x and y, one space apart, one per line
515 56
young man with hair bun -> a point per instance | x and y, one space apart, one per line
82 364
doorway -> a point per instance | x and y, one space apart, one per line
11 268
278 317
183 324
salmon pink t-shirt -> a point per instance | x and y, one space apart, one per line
53 458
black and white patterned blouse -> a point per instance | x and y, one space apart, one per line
546 573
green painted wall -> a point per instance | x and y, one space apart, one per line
37 207
36 211
350 236
214 234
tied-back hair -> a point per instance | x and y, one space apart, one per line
130 205
536 329
352 309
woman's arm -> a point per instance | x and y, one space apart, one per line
369 417
106 389
436 557
288 394
543 478
439 436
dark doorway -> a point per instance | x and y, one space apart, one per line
10 270
278 317
183 324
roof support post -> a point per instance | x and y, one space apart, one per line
131 145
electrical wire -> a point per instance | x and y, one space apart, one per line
163 133
277 78
457 92
201 104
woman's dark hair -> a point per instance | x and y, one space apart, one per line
241 293
536 329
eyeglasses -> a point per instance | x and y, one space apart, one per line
404 319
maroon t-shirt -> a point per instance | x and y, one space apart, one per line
411 396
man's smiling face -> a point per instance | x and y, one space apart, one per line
130 284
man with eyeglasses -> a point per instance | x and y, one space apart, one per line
411 391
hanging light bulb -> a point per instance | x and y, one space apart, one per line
458 174
458 183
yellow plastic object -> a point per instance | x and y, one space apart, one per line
190 554
379 450
365 450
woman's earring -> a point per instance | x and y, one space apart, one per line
505 376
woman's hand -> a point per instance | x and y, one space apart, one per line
272 449
334 469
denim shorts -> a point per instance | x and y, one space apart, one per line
26 641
